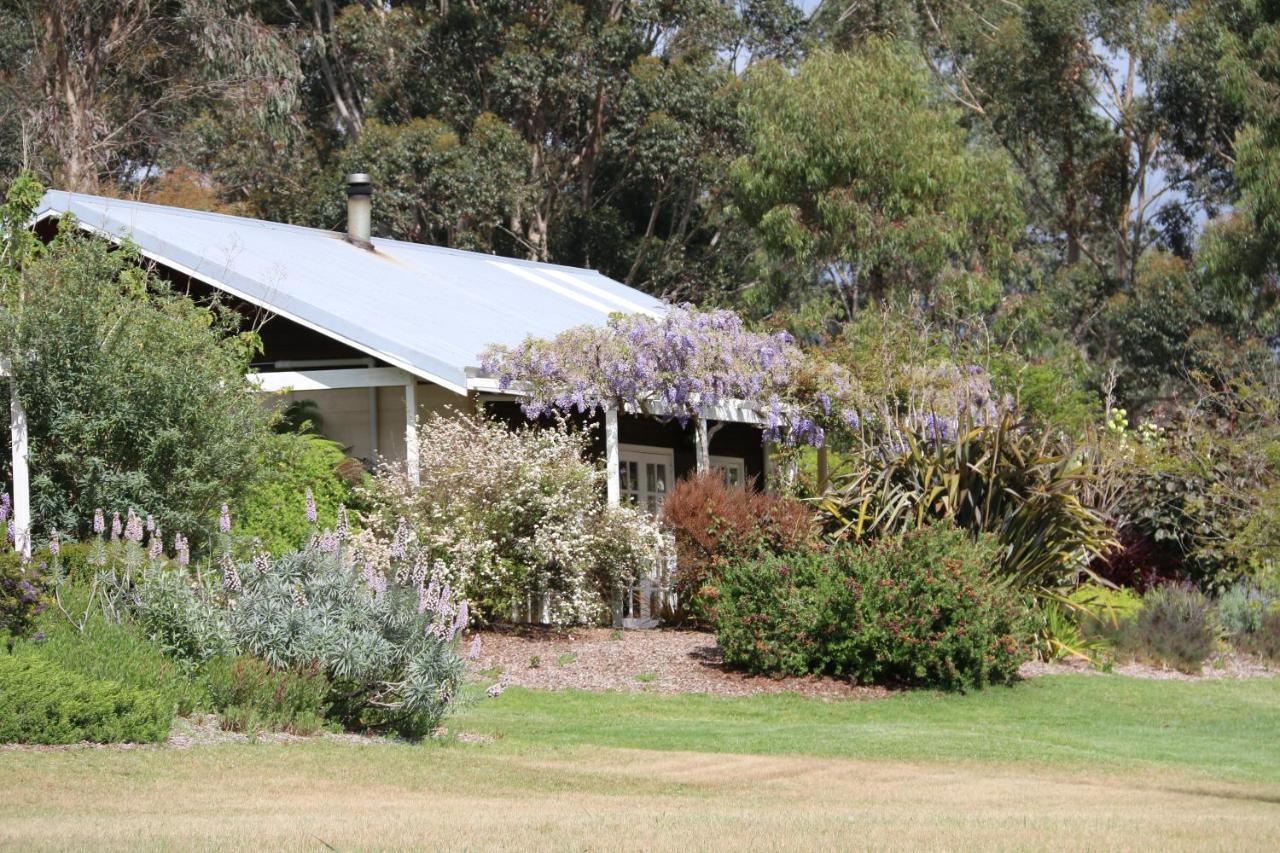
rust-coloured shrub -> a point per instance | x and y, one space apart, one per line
714 523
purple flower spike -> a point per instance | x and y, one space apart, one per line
6 504
133 528
99 524
55 544
116 527
224 519
312 515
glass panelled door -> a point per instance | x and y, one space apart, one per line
646 475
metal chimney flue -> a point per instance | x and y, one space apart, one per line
359 210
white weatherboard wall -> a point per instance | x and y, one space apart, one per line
346 415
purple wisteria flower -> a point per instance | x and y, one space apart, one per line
224 519
310 505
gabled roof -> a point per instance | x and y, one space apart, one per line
425 309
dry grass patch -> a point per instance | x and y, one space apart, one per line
455 797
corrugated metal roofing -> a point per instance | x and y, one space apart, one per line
426 309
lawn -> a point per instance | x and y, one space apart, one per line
1072 761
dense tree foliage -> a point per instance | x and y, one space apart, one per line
1087 187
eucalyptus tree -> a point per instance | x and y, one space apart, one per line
859 175
96 87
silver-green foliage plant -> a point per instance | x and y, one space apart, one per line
386 643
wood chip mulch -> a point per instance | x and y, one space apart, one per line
661 661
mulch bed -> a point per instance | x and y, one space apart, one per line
661 661
679 661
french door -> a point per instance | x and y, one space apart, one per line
645 474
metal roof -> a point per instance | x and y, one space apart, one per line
426 309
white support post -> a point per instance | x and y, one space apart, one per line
411 429
612 461
21 473
703 444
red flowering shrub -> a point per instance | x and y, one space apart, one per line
715 524
922 609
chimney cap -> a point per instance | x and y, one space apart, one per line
358 183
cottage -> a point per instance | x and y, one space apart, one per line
379 333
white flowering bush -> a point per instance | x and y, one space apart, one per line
508 516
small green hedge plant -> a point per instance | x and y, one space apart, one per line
919 609
40 702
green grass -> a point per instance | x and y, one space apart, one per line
1226 729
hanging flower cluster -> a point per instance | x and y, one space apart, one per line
678 364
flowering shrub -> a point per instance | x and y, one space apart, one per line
503 515
714 524
921 609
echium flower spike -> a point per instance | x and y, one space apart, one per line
340 528
400 543
55 543
474 654
116 527
156 550
224 519
312 515
133 528
230 577
6 505
151 523
99 523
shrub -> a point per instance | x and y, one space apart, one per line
102 649
40 702
918 609
188 626
385 640
1242 610
249 695
714 524
1174 627
22 595
272 509
1266 640
1021 484
135 395
506 514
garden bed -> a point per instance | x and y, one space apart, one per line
676 661
664 661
